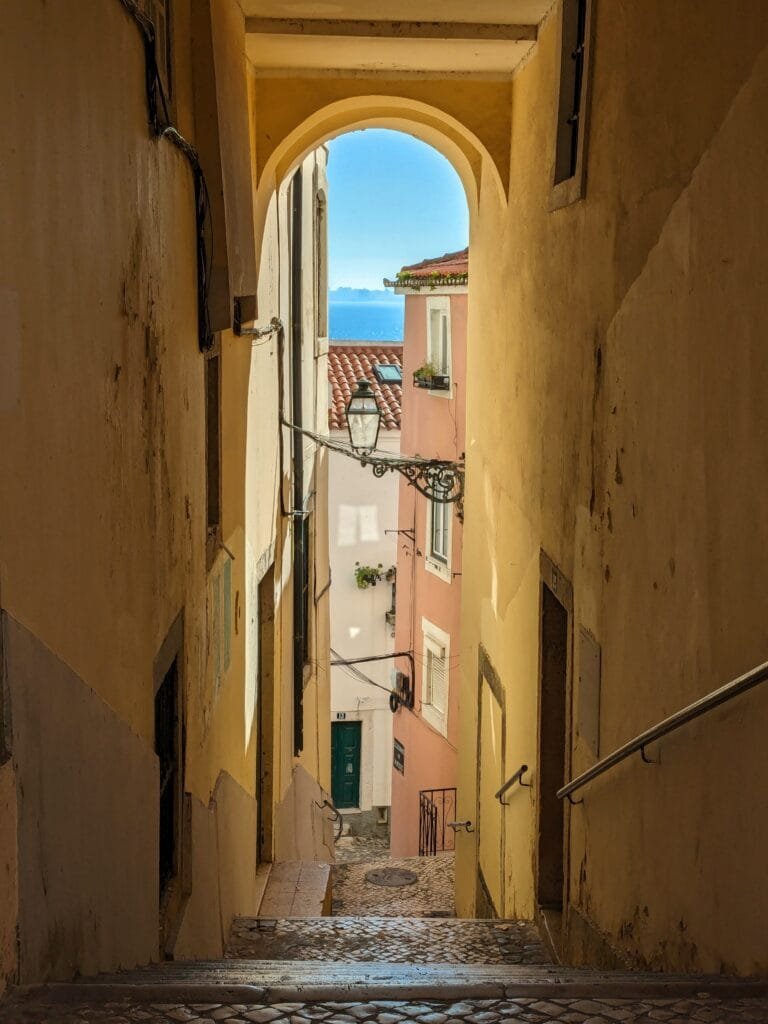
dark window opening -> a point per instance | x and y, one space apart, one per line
167 748
299 532
385 373
213 451
572 76
305 589
553 686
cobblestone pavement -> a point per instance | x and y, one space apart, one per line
705 1009
384 939
352 849
431 895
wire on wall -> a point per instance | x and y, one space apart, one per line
162 128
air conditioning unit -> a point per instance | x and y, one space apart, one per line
404 689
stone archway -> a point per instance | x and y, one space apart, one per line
287 137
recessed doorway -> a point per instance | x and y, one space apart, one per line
556 601
345 763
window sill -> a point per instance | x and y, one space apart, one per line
567 192
440 384
435 719
437 568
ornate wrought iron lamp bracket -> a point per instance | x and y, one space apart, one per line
437 479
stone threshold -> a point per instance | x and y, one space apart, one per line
268 982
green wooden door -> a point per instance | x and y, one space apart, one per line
345 763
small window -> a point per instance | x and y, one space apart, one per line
439 524
434 698
572 101
438 541
439 342
386 373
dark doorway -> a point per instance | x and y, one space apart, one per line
173 841
553 685
168 750
345 763
265 766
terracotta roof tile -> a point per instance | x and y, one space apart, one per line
451 263
348 363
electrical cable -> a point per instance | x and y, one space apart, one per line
162 128
355 673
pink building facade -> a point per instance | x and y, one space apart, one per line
428 608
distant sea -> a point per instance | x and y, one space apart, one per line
365 321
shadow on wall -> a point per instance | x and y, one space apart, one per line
304 830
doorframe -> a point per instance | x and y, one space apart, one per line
265 718
552 577
179 887
337 727
488 674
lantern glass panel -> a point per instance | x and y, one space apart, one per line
363 418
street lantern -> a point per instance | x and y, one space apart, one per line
363 419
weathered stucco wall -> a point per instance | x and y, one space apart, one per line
103 517
615 420
84 820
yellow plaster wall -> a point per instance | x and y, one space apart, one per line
615 420
102 518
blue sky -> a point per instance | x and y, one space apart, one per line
392 200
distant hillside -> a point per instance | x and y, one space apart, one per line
363 295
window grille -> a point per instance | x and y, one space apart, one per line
572 82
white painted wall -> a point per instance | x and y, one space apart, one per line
361 508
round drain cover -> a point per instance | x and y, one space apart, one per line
393 878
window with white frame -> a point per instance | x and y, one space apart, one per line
439 334
439 528
434 694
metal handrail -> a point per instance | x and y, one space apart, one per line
517 777
336 816
699 707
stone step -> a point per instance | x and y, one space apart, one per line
408 940
269 982
297 888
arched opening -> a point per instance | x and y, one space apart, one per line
473 158
421 621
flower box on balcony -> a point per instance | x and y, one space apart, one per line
431 381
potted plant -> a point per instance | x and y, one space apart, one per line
422 378
368 575
427 377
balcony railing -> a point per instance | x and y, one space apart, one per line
436 808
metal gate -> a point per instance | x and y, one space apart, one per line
436 808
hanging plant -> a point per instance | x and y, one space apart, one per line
369 575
